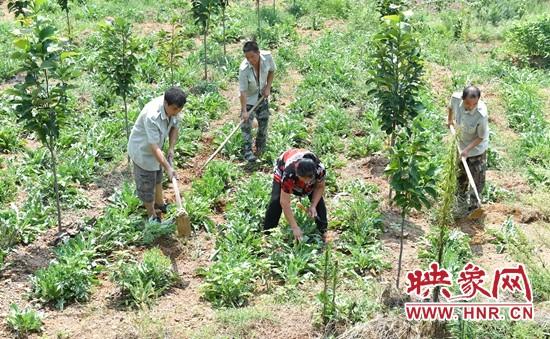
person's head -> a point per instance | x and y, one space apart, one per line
174 99
470 97
251 52
306 170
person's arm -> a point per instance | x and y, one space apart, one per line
243 88
318 193
153 138
267 89
471 146
244 111
289 215
450 120
172 140
157 153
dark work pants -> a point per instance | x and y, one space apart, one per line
274 210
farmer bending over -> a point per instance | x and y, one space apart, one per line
255 79
301 173
469 115
158 119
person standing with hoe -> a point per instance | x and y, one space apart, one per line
158 119
469 114
255 80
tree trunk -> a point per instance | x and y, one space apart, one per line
205 54
273 5
172 52
259 19
223 27
400 247
55 185
51 147
127 124
392 144
68 22
334 284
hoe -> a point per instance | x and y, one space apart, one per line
478 212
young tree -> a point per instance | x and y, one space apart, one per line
390 7
64 4
20 7
41 101
411 175
202 11
118 59
397 74
223 5
169 47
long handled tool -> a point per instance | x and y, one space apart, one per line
182 218
231 134
478 212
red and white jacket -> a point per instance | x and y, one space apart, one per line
285 172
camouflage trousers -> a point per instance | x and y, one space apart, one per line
262 115
478 167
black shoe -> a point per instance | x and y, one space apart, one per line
163 208
155 219
250 157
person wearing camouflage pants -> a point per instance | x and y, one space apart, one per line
469 114
478 166
262 116
255 79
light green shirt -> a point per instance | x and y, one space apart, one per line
248 81
151 127
471 124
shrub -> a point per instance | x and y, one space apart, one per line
292 263
64 281
154 230
531 41
230 281
9 138
250 201
198 209
209 105
7 186
524 107
361 147
214 181
24 321
141 283
493 193
497 11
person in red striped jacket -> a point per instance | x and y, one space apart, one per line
297 172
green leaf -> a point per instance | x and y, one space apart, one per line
22 43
